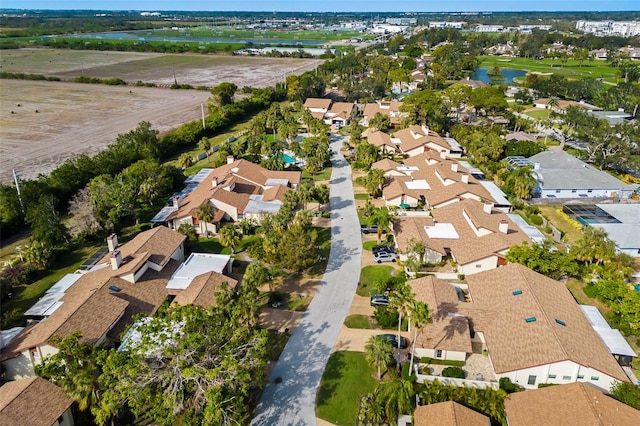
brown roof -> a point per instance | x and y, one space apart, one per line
33 401
317 103
248 178
448 414
514 343
202 290
478 232
562 104
275 193
447 332
574 404
160 242
380 139
342 109
385 164
474 84
388 108
416 136
445 184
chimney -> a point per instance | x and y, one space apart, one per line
230 159
487 207
504 226
112 242
214 182
176 202
443 154
116 259
454 167
536 166
425 129
464 178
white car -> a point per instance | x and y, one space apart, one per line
384 256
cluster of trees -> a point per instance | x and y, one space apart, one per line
190 366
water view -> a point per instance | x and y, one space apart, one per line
508 75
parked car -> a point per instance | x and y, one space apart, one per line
383 256
394 340
369 229
379 300
378 249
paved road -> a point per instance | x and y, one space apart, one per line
301 364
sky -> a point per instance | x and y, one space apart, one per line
331 5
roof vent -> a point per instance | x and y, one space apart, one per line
517 292
530 319
561 322
114 288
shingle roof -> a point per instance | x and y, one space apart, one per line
380 139
575 404
514 343
33 401
388 108
160 242
448 414
385 164
317 103
472 244
202 290
416 136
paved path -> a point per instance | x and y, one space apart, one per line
301 364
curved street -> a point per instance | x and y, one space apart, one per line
290 395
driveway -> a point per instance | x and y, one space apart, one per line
290 395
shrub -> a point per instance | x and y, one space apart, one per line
591 291
427 360
546 385
535 219
548 229
455 372
386 317
508 386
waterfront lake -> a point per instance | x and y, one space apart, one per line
508 73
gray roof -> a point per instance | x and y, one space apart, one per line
532 232
559 170
625 213
257 206
625 235
611 337
613 117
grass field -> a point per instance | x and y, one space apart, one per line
371 277
346 378
570 69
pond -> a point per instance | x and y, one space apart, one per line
508 73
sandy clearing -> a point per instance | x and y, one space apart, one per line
75 118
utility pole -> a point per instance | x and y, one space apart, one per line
17 182
202 108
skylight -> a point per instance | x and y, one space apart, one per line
561 322
517 292
530 319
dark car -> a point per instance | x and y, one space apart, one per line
379 300
369 229
393 339
386 249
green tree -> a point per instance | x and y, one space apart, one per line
419 316
223 93
185 160
401 299
229 237
627 393
380 122
374 181
594 246
205 214
192 237
554 264
383 217
379 353
397 397
205 145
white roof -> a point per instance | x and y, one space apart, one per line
417 184
64 283
625 213
46 305
496 193
197 264
611 337
257 206
473 170
442 230
276 182
532 232
7 336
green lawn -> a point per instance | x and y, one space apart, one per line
371 278
361 196
346 378
542 114
358 321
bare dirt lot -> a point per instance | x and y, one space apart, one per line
74 118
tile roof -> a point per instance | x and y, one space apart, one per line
249 178
33 401
202 290
574 404
472 244
514 343
448 414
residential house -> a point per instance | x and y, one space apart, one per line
626 228
432 181
388 108
613 117
383 141
474 84
474 235
562 105
448 413
519 137
446 337
130 280
574 404
502 50
612 338
537 333
561 175
238 190
34 402
318 106
415 140
340 114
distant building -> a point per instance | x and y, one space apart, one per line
610 28
445 24
401 21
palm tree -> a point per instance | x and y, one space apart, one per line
420 316
185 161
401 299
382 216
397 397
205 145
229 237
379 352
205 214
374 181
321 194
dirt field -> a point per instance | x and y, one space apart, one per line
75 118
